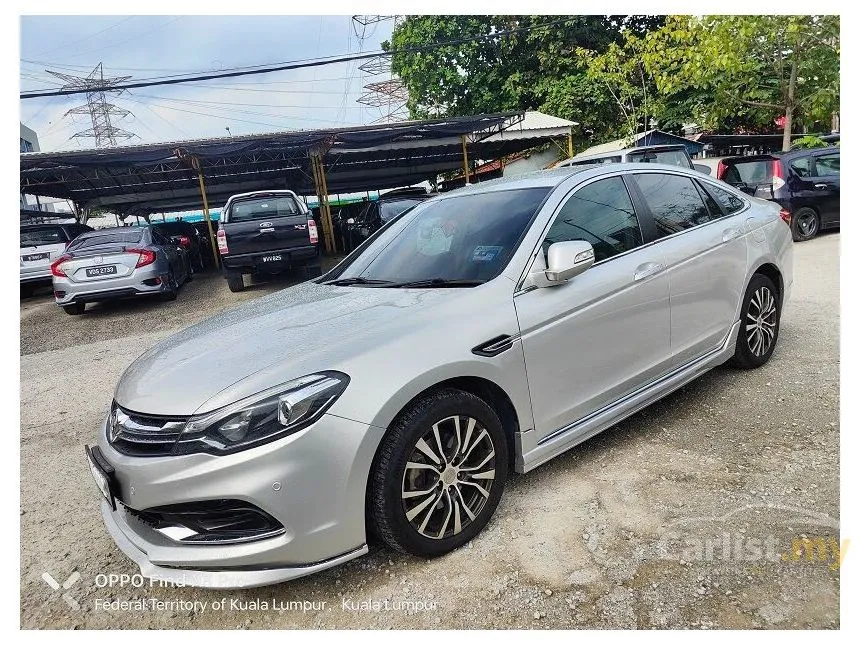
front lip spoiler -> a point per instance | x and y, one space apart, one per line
225 579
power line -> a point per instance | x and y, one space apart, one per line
300 65
93 35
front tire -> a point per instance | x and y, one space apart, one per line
804 224
439 474
759 329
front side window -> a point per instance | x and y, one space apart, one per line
802 167
247 210
827 165
674 201
462 238
600 213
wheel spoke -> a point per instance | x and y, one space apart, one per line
408 494
427 502
751 327
487 474
458 525
489 456
447 517
430 512
416 466
474 443
424 447
439 442
469 428
466 508
480 488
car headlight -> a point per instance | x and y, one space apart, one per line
264 417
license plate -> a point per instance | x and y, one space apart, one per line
97 271
272 258
36 256
102 474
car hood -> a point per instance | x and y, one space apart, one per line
268 341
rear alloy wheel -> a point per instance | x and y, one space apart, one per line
439 474
804 224
759 324
235 281
75 309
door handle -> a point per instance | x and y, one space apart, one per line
731 233
646 270
822 186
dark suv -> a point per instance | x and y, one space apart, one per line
804 182
266 232
382 211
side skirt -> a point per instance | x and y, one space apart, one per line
569 436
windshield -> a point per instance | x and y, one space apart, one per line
131 236
263 208
41 237
668 157
463 238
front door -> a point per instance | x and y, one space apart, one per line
605 332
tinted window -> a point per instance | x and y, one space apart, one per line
712 206
668 157
674 201
585 162
263 208
41 236
826 165
132 235
467 237
388 210
802 167
757 171
729 202
600 213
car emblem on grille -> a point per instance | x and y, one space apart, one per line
266 225
98 260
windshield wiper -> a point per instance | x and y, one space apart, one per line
345 282
436 282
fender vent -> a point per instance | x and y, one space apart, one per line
494 346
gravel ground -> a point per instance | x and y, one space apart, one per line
669 519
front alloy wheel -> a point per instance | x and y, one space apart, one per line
438 475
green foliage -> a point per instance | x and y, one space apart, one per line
808 143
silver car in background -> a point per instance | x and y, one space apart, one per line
41 244
123 262
485 331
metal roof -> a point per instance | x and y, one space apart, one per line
159 177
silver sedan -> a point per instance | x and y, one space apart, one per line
483 332
113 263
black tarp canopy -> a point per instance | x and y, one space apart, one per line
143 179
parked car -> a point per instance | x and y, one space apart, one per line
41 244
378 213
187 236
206 241
123 262
266 232
804 182
672 154
488 329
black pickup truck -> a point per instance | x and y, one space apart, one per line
266 232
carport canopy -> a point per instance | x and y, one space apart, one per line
163 177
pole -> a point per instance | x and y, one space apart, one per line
319 182
465 160
327 218
570 142
196 163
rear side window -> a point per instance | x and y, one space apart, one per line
674 201
827 165
263 208
41 237
600 213
730 203
132 236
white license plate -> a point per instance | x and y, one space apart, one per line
272 258
97 271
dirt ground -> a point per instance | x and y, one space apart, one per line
717 507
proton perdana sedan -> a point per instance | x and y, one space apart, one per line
483 332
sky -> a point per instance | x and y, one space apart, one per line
147 46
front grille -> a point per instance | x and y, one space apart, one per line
140 435
210 522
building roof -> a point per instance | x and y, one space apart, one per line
159 177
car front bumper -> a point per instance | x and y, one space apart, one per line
312 482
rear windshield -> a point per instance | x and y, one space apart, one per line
42 236
390 210
668 157
247 210
131 236
585 162
744 173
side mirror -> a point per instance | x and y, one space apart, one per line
565 260
702 168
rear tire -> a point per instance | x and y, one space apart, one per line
759 328
235 281
75 309
172 287
805 224
466 480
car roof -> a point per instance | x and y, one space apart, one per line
44 225
782 154
624 151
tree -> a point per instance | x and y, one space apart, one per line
540 69
759 68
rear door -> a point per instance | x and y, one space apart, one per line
40 247
826 183
705 250
265 222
